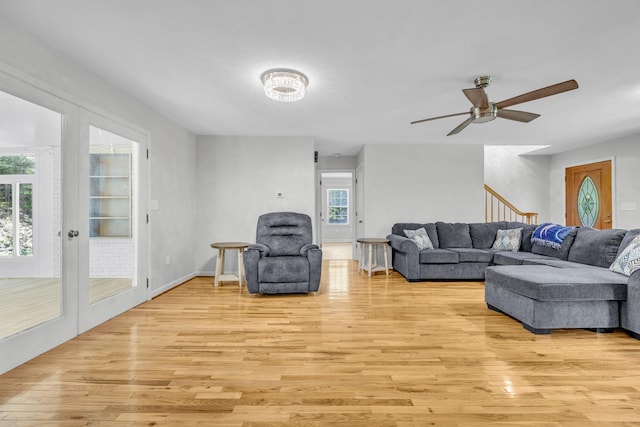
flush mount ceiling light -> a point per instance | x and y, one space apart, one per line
284 85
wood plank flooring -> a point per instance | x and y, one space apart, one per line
361 352
29 301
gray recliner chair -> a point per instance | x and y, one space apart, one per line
283 260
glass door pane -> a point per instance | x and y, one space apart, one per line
112 240
30 214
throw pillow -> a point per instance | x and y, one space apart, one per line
629 259
508 240
420 237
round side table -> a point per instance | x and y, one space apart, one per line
220 274
372 265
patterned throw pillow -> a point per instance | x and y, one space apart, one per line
508 240
629 260
420 237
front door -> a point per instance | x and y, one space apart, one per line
588 194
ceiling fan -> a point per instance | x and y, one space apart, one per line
485 111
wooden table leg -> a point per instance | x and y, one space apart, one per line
386 262
370 256
219 267
240 267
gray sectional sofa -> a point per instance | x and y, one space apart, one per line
542 287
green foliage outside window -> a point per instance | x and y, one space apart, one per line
23 213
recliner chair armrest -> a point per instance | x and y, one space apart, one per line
306 248
314 255
403 244
263 249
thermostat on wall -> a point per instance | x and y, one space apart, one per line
280 194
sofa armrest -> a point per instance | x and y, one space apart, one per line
403 244
405 256
632 321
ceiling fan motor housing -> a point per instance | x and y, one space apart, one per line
483 115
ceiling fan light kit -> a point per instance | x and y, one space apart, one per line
483 111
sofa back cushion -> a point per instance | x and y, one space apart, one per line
596 247
398 229
454 235
527 232
483 234
562 253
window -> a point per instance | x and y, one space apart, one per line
338 206
17 174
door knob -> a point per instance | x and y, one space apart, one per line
72 233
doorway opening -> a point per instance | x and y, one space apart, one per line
337 214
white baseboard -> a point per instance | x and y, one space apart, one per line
171 285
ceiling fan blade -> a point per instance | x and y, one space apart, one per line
477 96
461 126
439 117
540 93
519 116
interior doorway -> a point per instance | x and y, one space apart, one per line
588 195
337 214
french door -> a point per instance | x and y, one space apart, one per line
70 210
112 219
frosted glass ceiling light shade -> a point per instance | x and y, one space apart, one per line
284 85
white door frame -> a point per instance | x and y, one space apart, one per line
320 204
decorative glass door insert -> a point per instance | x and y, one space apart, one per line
588 202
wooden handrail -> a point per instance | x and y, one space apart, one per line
497 208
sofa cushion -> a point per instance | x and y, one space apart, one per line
562 253
453 235
473 255
483 234
527 233
399 228
515 258
438 256
545 283
554 262
629 259
420 237
508 240
596 247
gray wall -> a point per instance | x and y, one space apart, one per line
421 183
238 178
625 153
172 175
521 179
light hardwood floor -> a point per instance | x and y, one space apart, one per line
361 352
29 301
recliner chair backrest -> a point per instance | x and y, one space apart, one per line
284 233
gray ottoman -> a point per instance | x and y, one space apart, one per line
544 297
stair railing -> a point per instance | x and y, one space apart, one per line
497 208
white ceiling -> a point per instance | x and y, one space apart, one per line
373 65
